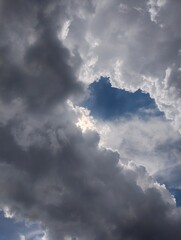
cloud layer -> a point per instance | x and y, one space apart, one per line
50 171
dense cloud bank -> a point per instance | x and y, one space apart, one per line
76 189
50 171
34 64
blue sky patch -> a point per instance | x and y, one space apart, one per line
106 102
177 194
11 229
170 177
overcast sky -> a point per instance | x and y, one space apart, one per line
90 120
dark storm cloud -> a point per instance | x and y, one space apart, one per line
81 190
44 75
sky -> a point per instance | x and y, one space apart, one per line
90 120
109 103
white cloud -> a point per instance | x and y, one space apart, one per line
154 8
135 48
34 235
151 142
64 31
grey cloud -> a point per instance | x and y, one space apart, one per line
81 190
44 75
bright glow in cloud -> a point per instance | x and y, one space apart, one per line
150 142
65 29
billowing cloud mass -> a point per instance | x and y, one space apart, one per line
145 137
34 64
151 142
51 171
137 45
76 189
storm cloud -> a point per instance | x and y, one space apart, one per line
79 190
35 66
